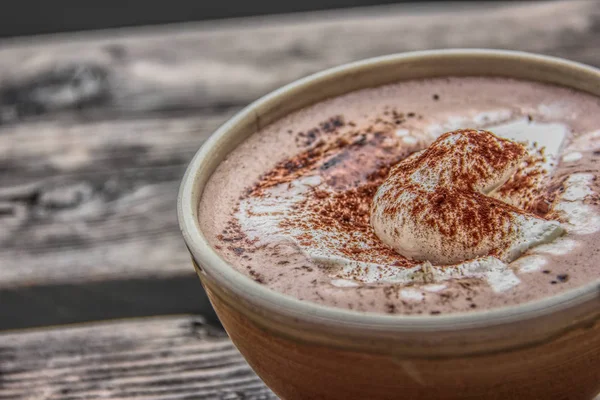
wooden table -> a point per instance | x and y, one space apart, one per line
95 132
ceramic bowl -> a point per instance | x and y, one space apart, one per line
546 349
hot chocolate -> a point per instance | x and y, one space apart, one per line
365 202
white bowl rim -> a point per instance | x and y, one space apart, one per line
271 301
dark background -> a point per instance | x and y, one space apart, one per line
28 17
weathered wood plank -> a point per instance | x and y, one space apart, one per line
171 358
96 130
83 199
167 358
88 219
223 63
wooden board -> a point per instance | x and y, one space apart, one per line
166 358
170 358
89 228
96 131
223 63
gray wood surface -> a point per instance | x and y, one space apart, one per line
160 358
168 358
96 130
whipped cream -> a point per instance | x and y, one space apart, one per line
433 205
311 208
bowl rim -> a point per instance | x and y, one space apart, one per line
271 301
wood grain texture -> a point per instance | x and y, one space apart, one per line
96 198
170 358
166 358
96 130
223 63
89 228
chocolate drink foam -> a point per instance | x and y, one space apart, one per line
290 207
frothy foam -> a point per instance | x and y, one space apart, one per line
282 212
303 227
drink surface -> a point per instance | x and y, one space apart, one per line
291 207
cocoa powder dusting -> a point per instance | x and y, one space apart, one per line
455 206
527 187
349 211
353 165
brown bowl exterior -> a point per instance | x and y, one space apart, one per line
563 367
548 349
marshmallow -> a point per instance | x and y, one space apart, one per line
435 206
